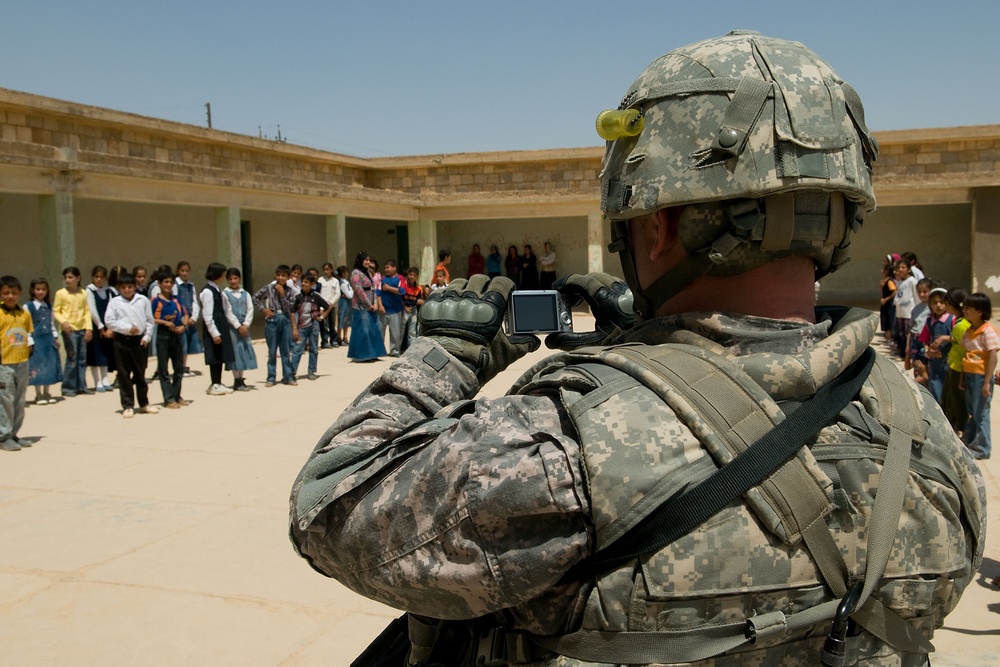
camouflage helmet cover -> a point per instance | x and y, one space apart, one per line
773 104
748 128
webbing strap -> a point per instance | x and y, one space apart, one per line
690 509
741 115
687 87
899 411
677 646
779 222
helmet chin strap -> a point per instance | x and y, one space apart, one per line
673 282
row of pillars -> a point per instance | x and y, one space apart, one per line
59 240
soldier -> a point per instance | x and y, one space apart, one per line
643 497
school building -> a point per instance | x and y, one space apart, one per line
86 185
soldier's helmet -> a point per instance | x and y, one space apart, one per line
759 139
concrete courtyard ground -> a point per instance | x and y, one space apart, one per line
162 540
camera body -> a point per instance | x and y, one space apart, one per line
538 312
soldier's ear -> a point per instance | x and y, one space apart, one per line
665 233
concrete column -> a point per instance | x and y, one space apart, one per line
228 244
58 235
336 239
595 242
986 244
423 247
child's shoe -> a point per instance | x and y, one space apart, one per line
148 410
127 413
10 445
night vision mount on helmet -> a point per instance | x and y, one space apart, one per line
760 141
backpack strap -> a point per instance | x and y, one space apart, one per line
762 455
898 411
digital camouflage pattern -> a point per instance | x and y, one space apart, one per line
457 509
771 104
745 119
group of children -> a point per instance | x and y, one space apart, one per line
115 324
945 336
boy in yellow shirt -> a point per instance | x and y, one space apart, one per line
15 348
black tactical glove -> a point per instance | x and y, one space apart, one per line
466 319
609 299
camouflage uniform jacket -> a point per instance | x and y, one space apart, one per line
484 508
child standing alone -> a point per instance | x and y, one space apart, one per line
73 317
981 343
43 367
238 307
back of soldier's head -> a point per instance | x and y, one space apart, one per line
761 145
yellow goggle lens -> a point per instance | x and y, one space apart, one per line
614 124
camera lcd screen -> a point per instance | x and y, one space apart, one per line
535 312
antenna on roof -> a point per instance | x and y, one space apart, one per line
208 111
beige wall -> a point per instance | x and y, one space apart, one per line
130 233
567 234
20 238
283 238
376 237
939 235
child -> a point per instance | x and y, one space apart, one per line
440 280
169 316
141 284
238 307
906 299
72 315
393 286
936 337
329 289
344 315
275 301
916 358
887 311
184 289
953 395
413 297
100 349
294 283
308 310
130 317
218 348
15 348
979 365
44 368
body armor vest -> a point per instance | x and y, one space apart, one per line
648 418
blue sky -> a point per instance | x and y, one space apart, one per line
380 78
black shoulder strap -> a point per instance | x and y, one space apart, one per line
682 513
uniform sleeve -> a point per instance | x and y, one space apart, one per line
452 518
258 298
227 308
58 303
248 320
208 312
195 308
147 334
92 307
115 319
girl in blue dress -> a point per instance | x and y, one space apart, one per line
238 306
44 368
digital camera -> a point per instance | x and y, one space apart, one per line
537 312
